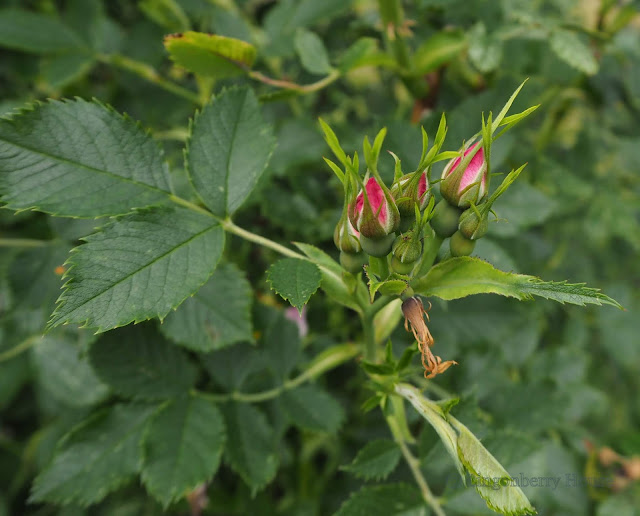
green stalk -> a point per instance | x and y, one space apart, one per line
379 266
432 245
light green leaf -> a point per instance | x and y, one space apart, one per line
250 449
464 276
492 481
295 280
37 33
99 456
437 50
385 500
182 448
361 53
64 373
139 267
312 52
94 163
312 408
216 316
228 149
434 415
375 461
570 48
210 55
138 363
485 50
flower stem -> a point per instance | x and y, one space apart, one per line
395 425
432 244
20 348
23 242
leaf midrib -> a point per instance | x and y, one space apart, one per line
86 167
66 294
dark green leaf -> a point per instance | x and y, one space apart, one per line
182 448
228 149
68 171
99 456
568 47
37 33
385 500
64 373
216 316
250 446
312 408
375 461
137 362
139 267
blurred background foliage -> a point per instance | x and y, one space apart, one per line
546 386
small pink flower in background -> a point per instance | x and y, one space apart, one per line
300 319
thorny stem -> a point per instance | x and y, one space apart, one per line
330 359
148 73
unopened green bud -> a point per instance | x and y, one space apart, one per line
406 249
378 247
473 226
461 245
352 262
445 219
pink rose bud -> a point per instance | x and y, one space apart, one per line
460 185
374 213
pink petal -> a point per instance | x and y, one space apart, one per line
377 199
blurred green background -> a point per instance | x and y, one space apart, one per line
546 386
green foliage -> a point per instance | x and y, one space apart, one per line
182 447
122 272
464 276
295 280
138 363
216 316
194 218
95 458
250 449
228 149
386 499
43 169
375 461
